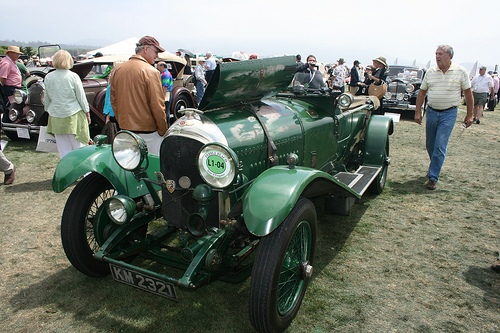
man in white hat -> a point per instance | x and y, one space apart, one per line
10 76
201 82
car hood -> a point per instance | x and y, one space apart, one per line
249 80
82 68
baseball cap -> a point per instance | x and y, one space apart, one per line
148 40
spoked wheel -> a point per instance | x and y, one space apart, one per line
282 269
180 103
378 184
78 228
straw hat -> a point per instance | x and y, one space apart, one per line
382 60
13 49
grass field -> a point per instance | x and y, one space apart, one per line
408 260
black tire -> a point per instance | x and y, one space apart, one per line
378 185
279 280
181 102
77 225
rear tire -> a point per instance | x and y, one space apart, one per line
279 280
378 185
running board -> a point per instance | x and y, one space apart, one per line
360 180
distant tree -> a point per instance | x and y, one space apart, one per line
28 50
3 49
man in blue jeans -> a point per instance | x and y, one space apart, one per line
443 85
201 82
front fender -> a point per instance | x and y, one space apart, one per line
100 159
272 196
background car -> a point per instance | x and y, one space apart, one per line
27 114
403 85
183 92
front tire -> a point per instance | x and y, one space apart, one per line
282 270
78 226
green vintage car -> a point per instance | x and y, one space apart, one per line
230 194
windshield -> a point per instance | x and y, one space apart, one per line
46 52
402 72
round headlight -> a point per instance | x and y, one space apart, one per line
217 165
42 97
345 100
30 116
400 96
409 88
121 209
388 95
13 115
129 150
20 96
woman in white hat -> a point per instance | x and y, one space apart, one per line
380 73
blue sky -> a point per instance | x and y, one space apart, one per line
361 29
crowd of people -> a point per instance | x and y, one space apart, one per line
335 76
137 98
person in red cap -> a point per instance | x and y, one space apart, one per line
137 96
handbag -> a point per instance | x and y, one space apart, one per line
46 142
377 90
492 103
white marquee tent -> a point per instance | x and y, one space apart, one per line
126 46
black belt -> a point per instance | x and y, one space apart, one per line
143 132
437 110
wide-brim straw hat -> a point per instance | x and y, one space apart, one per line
382 60
13 49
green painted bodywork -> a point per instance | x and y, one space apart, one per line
236 82
376 138
100 159
272 196
242 101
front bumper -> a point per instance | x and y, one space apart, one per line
32 129
396 105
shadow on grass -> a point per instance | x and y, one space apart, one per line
110 306
334 230
414 186
487 280
106 305
42 185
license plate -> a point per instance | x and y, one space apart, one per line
144 282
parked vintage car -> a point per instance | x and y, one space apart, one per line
403 85
183 93
234 177
27 114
